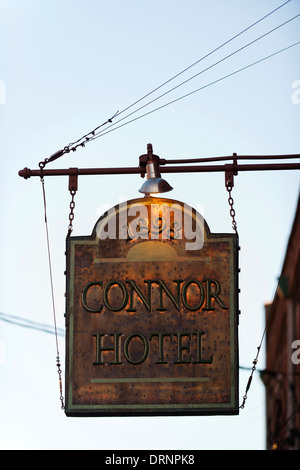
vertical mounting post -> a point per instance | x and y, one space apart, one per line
73 179
230 172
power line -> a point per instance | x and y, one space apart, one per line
198 89
26 323
92 135
194 76
204 57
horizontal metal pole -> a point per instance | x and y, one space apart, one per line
27 173
164 161
230 167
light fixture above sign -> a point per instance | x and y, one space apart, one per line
154 184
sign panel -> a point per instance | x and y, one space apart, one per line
152 314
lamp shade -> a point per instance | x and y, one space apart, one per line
155 183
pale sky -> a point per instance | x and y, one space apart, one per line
66 67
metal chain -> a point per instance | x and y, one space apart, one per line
71 215
234 226
255 361
232 211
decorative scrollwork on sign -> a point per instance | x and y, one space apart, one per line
143 226
158 225
174 231
140 230
157 228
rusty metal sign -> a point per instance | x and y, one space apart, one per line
152 314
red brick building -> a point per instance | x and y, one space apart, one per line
282 374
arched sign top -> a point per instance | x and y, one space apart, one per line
153 219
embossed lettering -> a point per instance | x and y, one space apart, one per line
116 296
182 348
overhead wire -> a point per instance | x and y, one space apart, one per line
104 131
107 131
92 135
26 323
203 57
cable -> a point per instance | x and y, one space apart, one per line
92 132
49 261
91 135
191 78
199 73
52 295
202 58
198 89
255 361
25 323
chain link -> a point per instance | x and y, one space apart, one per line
232 211
234 226
71 215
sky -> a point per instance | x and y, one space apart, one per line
67 67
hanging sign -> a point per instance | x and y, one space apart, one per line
151 314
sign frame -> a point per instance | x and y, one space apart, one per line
150 409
